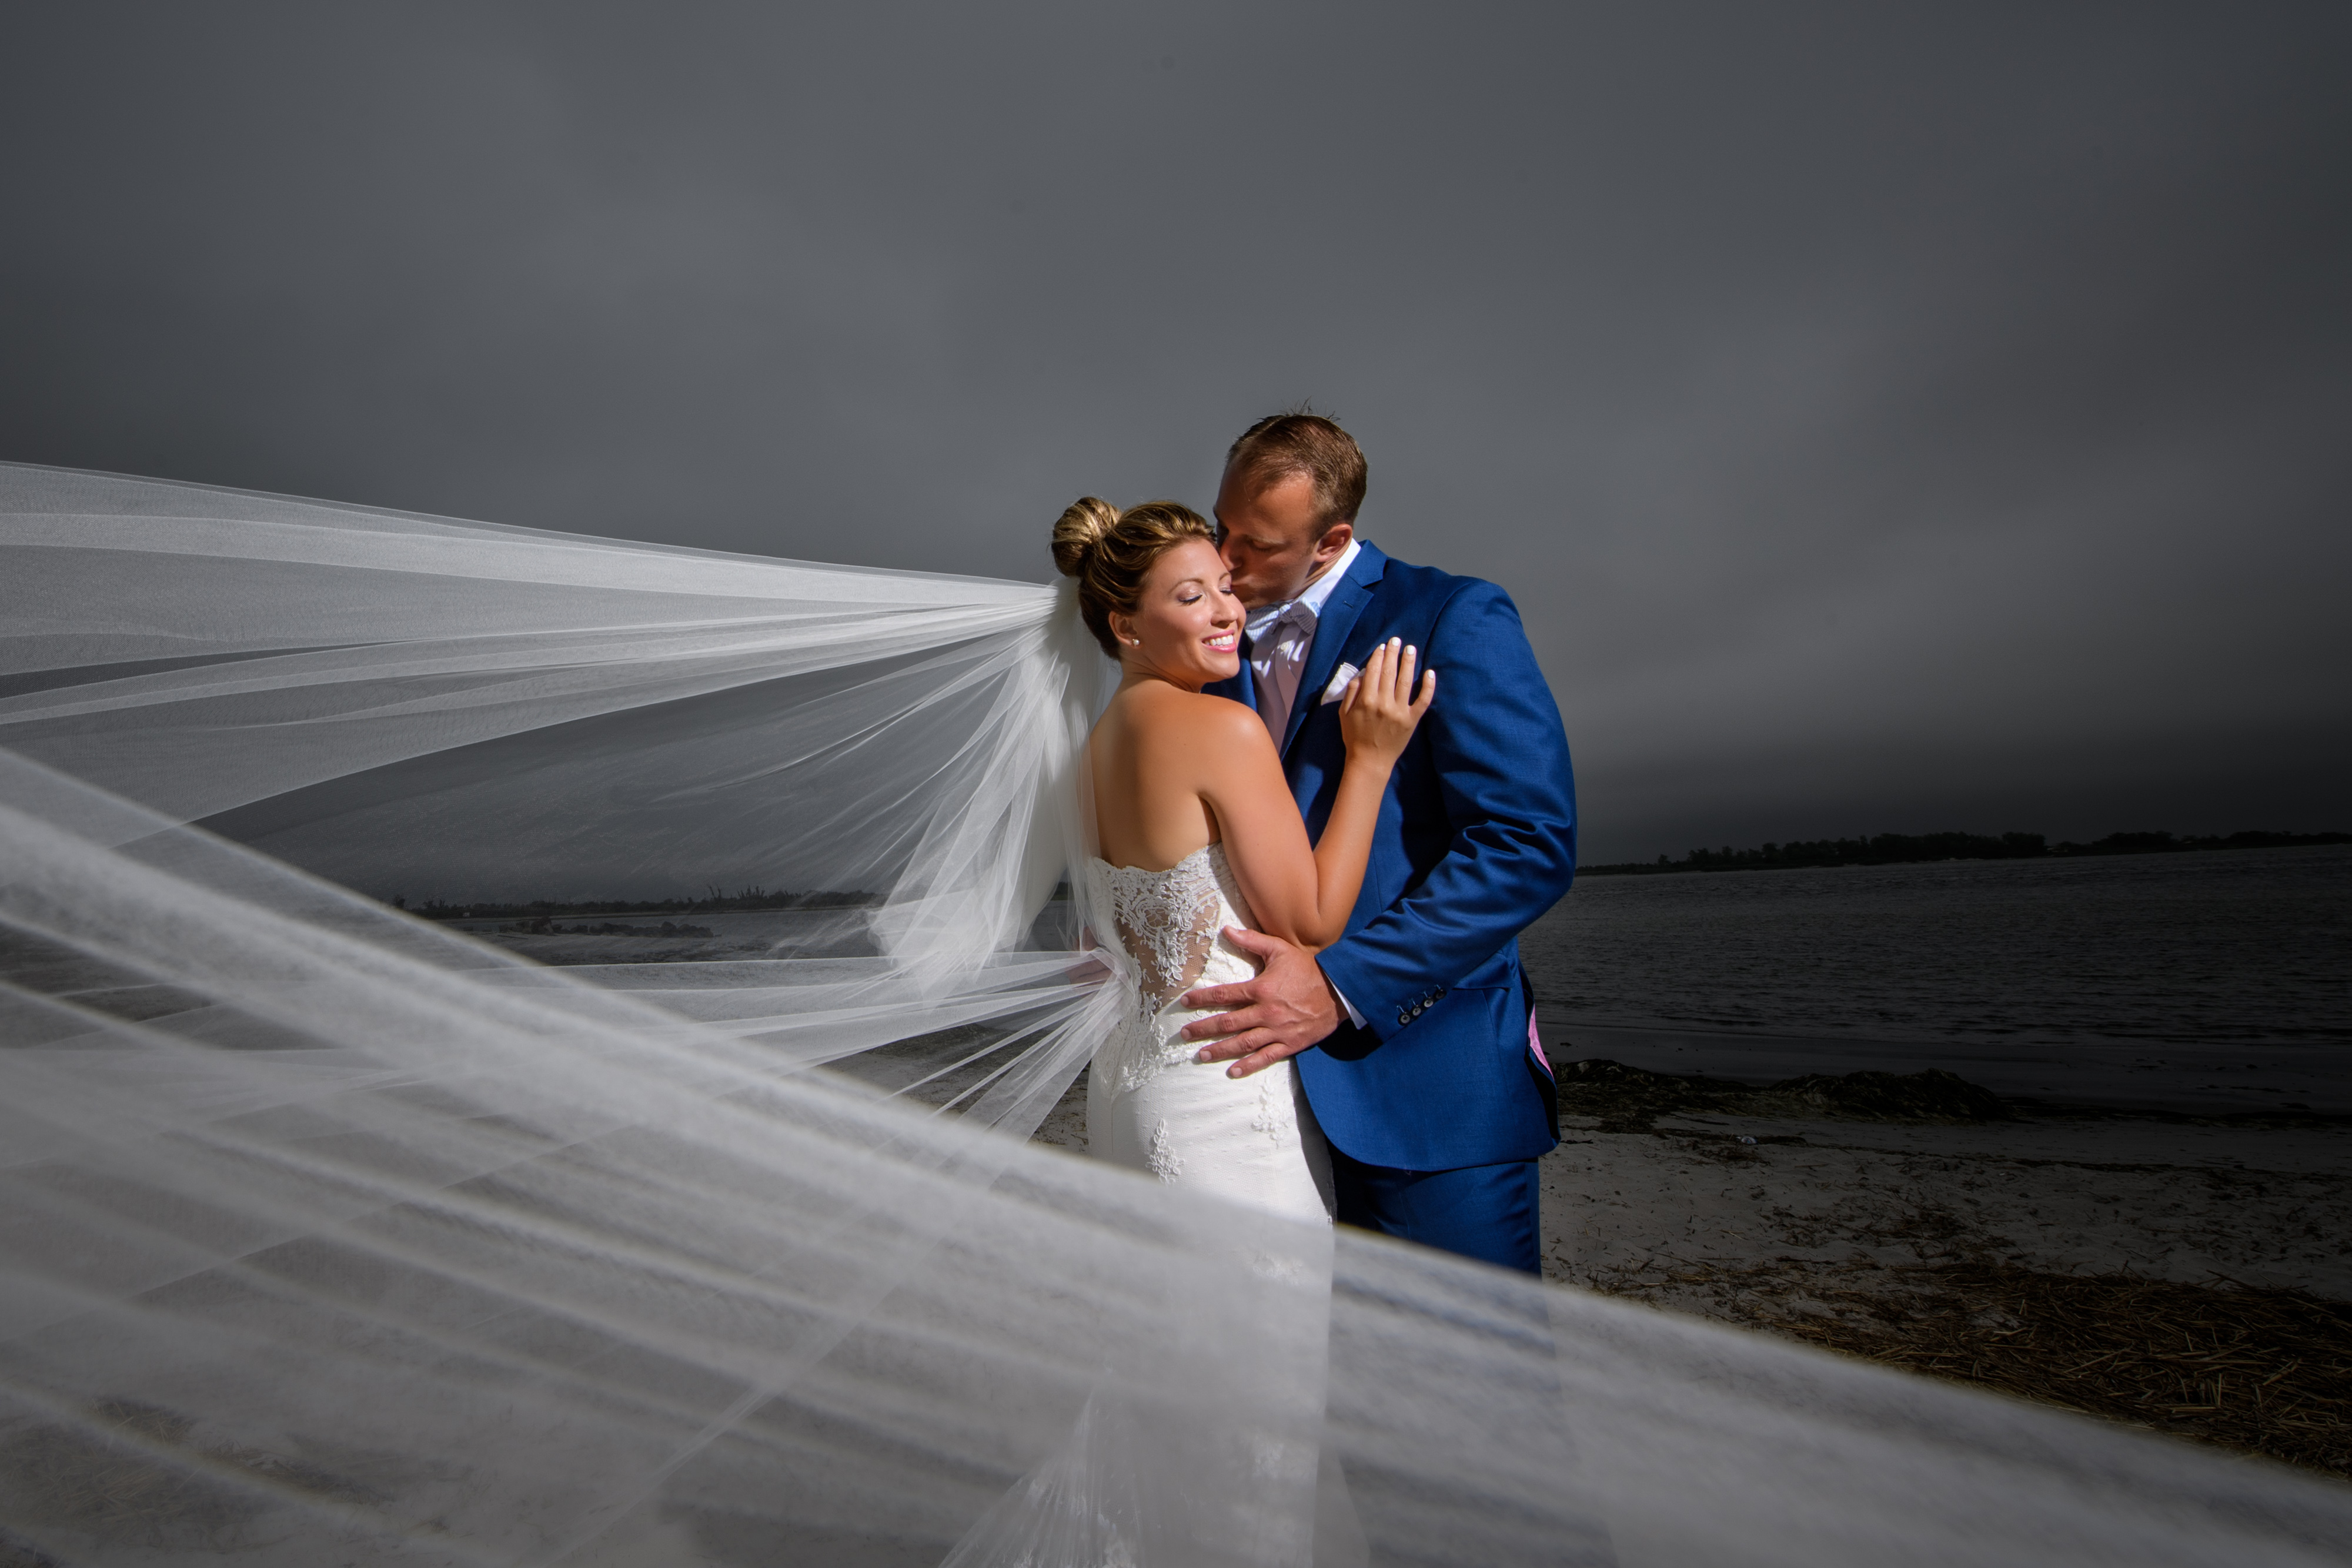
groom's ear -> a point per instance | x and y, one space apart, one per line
1335 540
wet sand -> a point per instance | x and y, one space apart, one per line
2069 1193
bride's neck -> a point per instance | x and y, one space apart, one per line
1131 677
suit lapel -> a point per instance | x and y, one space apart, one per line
1332 629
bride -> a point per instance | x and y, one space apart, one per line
1190 831
1193 830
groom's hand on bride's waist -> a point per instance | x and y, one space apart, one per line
1289 1006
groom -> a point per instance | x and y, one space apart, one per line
1412 1030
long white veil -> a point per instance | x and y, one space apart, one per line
331 1236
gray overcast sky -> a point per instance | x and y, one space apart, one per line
1886 418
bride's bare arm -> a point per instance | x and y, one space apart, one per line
1305 896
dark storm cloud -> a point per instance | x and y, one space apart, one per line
1885 421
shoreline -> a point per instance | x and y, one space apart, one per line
2097 1075
1921 849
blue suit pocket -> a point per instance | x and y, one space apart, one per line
1451 1088
1500 972
1478 1014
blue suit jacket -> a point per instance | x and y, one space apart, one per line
1477 837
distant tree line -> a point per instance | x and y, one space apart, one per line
716 902
542 925
1896 849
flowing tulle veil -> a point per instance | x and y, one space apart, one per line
330 1235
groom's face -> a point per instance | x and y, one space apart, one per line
1271 540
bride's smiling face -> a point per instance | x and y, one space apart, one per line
1187 625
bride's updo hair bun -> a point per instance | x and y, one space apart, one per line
1108 551
1081 528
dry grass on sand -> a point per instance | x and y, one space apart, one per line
2192 1276
2264 1372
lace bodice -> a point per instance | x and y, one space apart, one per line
1168 922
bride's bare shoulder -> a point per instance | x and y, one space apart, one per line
1163 717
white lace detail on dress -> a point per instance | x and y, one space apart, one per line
1168 922
1161 1157
1277 1117
1151 1105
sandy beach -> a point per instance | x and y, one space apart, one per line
1634 1211
2190 1275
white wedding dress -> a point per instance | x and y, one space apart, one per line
1150 1105
1250 1142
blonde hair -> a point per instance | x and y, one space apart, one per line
1108 551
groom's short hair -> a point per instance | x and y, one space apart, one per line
1282 444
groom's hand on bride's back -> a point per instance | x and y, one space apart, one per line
1289 1006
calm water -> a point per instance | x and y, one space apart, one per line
733 934
2169 970
2192 981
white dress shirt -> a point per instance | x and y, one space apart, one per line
1281 636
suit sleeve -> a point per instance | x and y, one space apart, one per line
1502 766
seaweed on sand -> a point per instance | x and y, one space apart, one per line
2259 1371
1629 1099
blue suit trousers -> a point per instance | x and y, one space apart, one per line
1485 1212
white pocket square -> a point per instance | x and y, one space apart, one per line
1340 679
